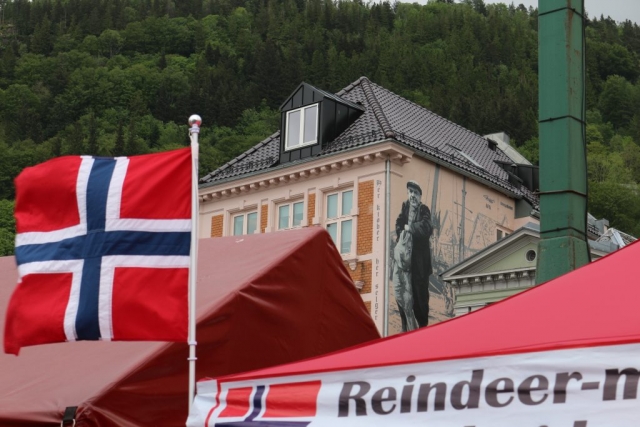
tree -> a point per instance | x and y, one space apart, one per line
133 145
616 101
42 39
93 134
618 203
110 43
76 139
7 228
118 149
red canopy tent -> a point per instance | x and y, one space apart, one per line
563 354
262 300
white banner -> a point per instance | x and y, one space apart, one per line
585 387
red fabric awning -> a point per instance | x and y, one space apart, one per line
556 354
263 300
594 305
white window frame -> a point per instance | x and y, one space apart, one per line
301 130
290 204
341 218
505 232
245 222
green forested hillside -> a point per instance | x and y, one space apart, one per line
113 77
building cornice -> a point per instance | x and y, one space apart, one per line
352 159
469 280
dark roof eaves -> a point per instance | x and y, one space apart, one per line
504 189
289 164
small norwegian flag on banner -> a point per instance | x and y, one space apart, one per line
285 405
102 248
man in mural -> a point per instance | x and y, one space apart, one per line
413 228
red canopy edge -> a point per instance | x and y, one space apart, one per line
578 309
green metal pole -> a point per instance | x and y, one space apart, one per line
563 176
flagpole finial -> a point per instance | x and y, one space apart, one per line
194 122
195 119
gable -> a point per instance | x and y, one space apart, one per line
512 257
507 254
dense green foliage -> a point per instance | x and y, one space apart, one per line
113 77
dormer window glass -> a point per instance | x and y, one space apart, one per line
302 127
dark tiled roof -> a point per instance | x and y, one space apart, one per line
389 116
340 99
259 157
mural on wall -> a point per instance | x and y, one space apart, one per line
441 218
411 264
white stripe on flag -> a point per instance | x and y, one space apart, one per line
81 187
115 189
74 301
105 301
153 225
107 272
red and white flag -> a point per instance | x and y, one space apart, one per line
102 248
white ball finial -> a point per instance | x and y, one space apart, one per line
195 120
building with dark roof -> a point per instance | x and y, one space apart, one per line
508 267
343 162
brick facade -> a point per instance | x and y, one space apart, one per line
216 225
364 243
311 208
264 216
368 305
362 273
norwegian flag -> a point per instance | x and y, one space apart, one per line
102 248
270 406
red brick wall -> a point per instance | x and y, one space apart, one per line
368 305
264 212
311 208
364 244
216 225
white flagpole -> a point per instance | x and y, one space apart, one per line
194 122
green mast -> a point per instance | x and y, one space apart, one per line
563 175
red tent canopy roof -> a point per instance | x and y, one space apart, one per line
263 300
594 305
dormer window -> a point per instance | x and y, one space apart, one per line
302 127
311 119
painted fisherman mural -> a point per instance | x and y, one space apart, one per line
412 260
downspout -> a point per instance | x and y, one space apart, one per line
463 219
387 243
563 173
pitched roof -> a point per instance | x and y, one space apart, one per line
529 229
390 116
618 237
326 95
